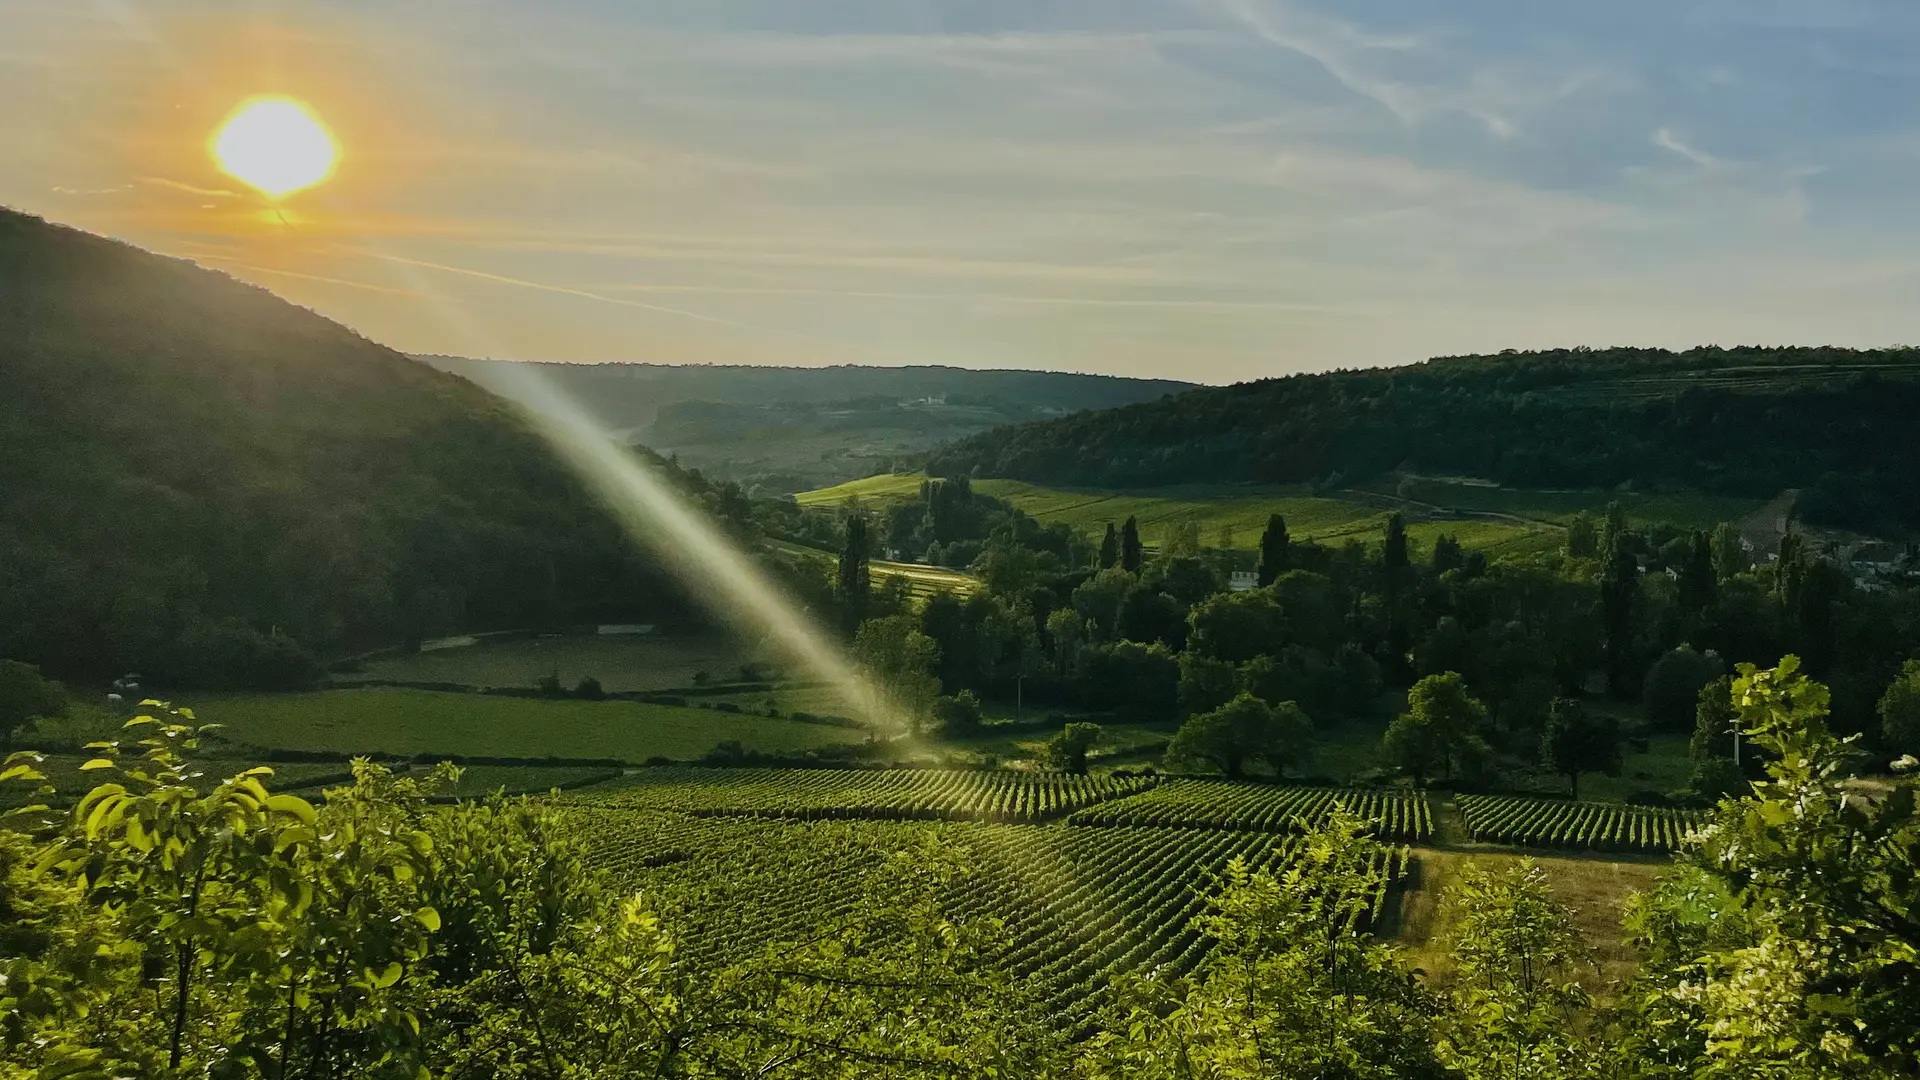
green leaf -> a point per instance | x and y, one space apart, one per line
22 772
386 978
96 763
294 805
429 918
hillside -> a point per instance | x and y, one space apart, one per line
205 483
1744 422
790 429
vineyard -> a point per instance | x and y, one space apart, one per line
1210 804
1592 826
878 794
1076 906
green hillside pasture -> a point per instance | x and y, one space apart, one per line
621 662
409 722
885 488
1691 510
1242 511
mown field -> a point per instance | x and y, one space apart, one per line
1227 516
1685 509
410 722
621 662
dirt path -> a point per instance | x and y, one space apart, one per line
1764 527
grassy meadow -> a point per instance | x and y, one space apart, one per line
621 662
409 722
1685 509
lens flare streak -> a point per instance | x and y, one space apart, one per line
654 514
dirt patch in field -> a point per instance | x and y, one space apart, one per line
1594 888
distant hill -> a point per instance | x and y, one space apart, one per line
202 482
792 429
1837 423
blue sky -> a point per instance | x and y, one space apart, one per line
1209 189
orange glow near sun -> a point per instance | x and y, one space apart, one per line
275 145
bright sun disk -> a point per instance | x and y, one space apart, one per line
275 144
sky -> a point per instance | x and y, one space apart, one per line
1212 190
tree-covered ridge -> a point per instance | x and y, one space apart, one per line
207 484
1744 421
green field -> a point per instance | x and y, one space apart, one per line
922 581
621 662
408 722
1235 514
1685 509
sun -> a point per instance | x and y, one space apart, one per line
275 144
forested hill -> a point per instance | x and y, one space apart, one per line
201 481
794 429
1837 423
631 395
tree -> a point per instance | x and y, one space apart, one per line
1295 986
1141 681
1206 683
1098 600
1130 550
1183 540
1439 728
1147 614
1275 550
900 659
1583 536
1066 633
24 695
1614 530
1394 568
1729 551
1900 710
1818 979
1619 589
1067 749
1671 695
1447 647
1235 627
1393 552
1699 575
959 715
1109 548
1447 554
1578 741
1516 1005
1243 730
1715 774
853 583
